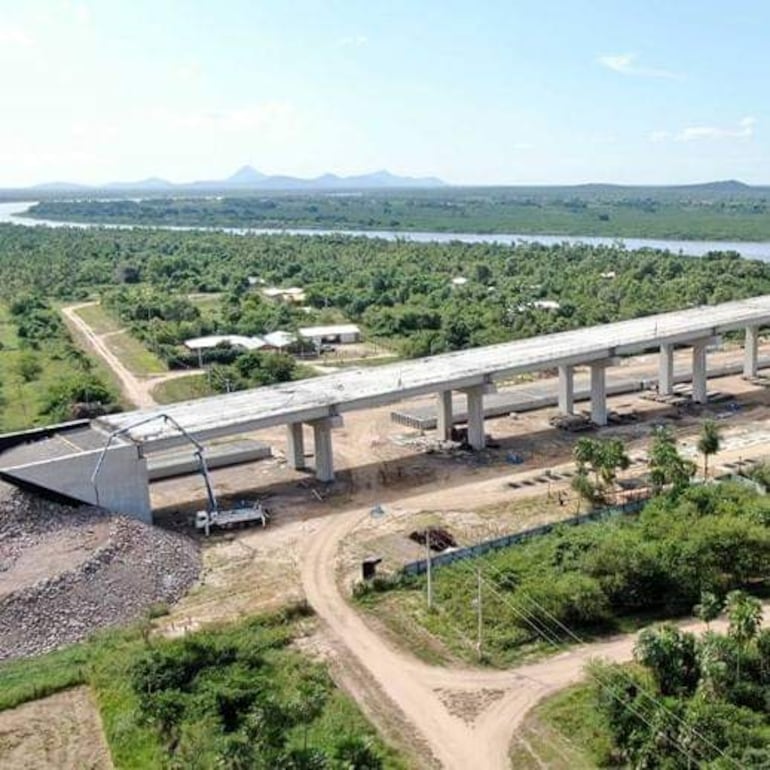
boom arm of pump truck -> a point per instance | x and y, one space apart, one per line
167 419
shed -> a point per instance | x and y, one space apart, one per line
338 334
235 340
279 340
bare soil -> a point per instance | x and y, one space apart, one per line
60 732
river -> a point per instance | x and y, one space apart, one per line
9 213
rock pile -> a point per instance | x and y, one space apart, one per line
131 567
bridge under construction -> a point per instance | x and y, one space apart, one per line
321 402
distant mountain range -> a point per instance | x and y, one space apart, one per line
248 178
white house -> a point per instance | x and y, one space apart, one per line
336 334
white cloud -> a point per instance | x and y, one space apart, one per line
523 146
353 41
659 136
15 36
625 64
744 130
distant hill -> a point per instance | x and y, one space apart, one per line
248 178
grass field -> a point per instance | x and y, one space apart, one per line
562 733
182 389
23 399
135 357
99 319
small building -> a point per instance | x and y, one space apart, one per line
333 334
292 295
279 340
459 280
234 340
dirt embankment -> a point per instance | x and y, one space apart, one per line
66 572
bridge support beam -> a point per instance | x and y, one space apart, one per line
322 440
566 389
476 436
666 370
444 415
599 393
750 349
699 382
295 445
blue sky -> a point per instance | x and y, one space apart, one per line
485 92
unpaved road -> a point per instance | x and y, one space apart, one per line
466 716
137 390
61 732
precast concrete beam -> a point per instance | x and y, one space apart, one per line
599 393
750 352
566 389
444 415
324 458
295 445
699 373
476 436
666 370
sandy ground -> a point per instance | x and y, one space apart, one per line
61 732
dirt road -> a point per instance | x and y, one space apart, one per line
137 390
466 716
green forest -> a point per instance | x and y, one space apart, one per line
414 298
720 211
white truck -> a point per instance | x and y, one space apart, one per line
232 517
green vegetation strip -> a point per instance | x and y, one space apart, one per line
723 211
594 579
232 697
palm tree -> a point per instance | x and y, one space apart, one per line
708 443
709 608
745 614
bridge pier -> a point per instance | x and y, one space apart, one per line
699 382
566 394
750 352
322 441
295 445
599 392
444 415
666 370
476 436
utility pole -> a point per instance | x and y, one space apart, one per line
428 567
479 612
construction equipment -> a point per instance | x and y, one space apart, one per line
213 516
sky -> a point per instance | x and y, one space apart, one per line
484 92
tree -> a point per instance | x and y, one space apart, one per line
745 615
709 607
667 466
708 443
670 654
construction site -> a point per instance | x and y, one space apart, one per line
424 464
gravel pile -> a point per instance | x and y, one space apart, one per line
133 568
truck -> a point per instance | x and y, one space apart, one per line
232 517
226 518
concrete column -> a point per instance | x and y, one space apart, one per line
476 436
444 415
295 445
598 393
750 352
324 460
666 370
567 389
699 384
